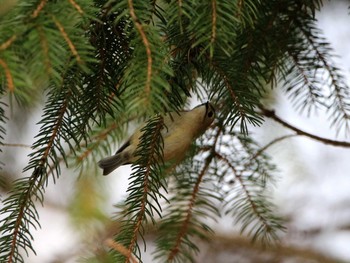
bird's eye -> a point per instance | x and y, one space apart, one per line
210 114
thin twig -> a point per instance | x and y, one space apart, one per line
121 249
258 213
39 8
261 150
146 189
32 187
45 48
185 224
145 41
7 43
184 227
238 105
17 145
10 85
271 114
67 39
213 26
76 6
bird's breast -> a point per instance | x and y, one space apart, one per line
175 147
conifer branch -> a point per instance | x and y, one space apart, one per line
55 131
45 48
144 187
244 187
313 96
97 139
213 18
67 39
17 145
29 191
230 89
234 97
321 57
8 42
10 85
153 146
125 58
311 56
39 8
147 45
179 15
271 114
185 224
76 6
249 207
22 207
121 249
264 148
191 204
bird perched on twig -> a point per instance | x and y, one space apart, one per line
179 132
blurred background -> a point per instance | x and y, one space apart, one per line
312 188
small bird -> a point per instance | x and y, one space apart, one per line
179 132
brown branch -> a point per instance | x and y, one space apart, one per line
120 248
102 136
240 6
271 114
76 6
67 39
95 140
54 133
26 195
261 150
98 138
39 8
7 43
180 15
44 45
186 222
335 79
312 91
141 213
230 88
261 218
32 184
17 145
145 41
10 85
213 26
232 244
319 55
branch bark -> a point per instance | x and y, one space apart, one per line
272 115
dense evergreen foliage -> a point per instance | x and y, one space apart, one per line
104 64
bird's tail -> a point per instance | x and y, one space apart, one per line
111 163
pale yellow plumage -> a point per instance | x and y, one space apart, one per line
181 129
